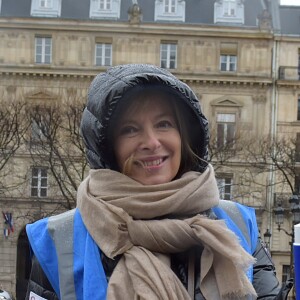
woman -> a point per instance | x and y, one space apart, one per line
149 223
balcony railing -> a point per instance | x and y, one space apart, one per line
289 73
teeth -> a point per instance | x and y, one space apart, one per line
152 163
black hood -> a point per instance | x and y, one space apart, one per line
105 93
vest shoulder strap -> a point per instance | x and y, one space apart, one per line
234 213
61 230
81 273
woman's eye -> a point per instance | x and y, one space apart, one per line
165 124
128 130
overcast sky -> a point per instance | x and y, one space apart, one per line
290 2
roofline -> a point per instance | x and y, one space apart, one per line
211 30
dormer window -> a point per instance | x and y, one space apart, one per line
105 9
229 11
45 8
230 8
170 10
105 4
170 6
46 3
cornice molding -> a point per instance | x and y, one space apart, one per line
240 82
292 84
49 74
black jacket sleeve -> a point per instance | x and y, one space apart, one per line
265 281
38 283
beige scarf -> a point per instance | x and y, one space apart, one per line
126 217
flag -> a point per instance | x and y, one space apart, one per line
8 221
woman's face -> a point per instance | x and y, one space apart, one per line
147 142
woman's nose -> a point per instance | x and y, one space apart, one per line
150 140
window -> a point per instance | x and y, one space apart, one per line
228 63
45 8
38 131
105 9
228 56
224 185
168 56
286 273
226 124
39 182
229 11
103 54
40 124
169 10
229 7
46 3
43 50
104 4
227 112
170 6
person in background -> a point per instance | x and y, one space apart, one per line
149 223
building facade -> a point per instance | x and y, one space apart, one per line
241 57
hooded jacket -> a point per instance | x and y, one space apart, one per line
107 93
119 83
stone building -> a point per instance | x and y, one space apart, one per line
241 57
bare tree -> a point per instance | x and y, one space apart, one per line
222 153
55 142
279 156
13 126
252 159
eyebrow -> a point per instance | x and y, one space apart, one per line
162 115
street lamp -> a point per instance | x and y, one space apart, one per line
267 238
279 215
279 212
295 208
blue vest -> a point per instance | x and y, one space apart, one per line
70 257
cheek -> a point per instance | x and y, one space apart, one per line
177 149
122 151
118 152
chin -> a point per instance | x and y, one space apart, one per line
153 181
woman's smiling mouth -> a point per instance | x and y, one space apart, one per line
151 163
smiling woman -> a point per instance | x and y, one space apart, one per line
147 141
170 124
149 223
